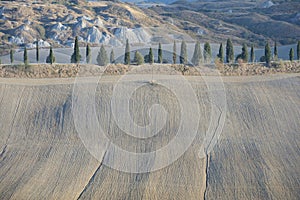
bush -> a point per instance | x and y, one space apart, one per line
138 58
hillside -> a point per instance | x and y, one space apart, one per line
112 22
243 21
256 156
105 22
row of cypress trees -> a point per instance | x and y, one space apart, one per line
197 58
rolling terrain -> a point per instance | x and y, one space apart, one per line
56 23
256 156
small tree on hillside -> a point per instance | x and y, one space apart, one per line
151 57
88 53
112 57
267 54
50 59
11 55
291 54
127 54
197 57
229 51
75 58
102 59
25 57
138 58
37 51
252 55
160 57
174 53
207 53
298 50
221 53
183 53
244 54
275 52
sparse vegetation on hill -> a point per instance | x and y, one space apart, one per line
71 70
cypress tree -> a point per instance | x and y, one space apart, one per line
244 54
160 58
112 57
221 53
11 55
267 54
102 59
275 52
37 51
229 51
25 57
127 53
197 57
252 55
291 54
183 53
75 58
50 59
207 52
151 57
138 58
298 50
88 53
174 53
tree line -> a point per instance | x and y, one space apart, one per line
198 57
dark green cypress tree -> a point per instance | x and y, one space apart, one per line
112 56
151 57
207 52
127 53
50 59
88 53
25 57
160 58
244 55
174 53
183 53
267 54
291 54
229 51
197 57
298 50
252 55
37 51
11 54
102 59
221 53
275 52
75 58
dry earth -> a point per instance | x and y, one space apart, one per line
257 155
